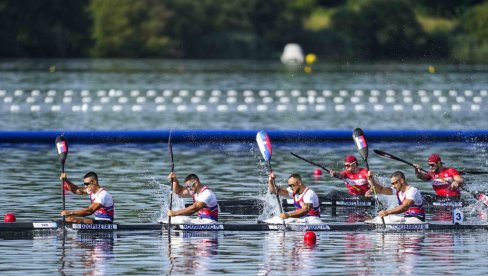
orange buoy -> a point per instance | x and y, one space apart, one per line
310 238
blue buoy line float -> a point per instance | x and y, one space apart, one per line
244 136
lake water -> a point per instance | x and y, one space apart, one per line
155 94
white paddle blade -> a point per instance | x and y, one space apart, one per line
264 144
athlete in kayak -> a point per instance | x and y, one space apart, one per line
204 200
102 204
410 202
446 181
355 178
306 201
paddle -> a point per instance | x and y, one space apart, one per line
362 146
311 162
264 144
481 196
172 166
62 148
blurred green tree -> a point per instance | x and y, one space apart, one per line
471 35
49 28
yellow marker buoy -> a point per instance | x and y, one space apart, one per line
307 69
310 58
431 69
52 68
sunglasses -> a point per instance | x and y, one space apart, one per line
431 165
87 183
395 182
292 185
190 186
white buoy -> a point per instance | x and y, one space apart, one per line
292 54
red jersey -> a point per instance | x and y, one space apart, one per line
356 183
441 182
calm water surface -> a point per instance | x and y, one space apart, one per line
136 174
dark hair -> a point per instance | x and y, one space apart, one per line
91 175
398 174
192 176
296 176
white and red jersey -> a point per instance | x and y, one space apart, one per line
441 182
417 209
356 183
107 211
210 200
308 196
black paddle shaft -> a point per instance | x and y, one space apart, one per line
311 162
172 165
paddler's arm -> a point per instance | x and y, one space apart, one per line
71 186
297 213
337 174
272 185
378 188
177 188
458 182
419 174
190 210
398 209
83 212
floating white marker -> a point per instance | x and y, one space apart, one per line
281 108
231 100
177 100
231 93
437 93
407 93
181 108
18 93
30 100
102 93
160 108
200 93
267 100
86 100
263 93
48 100
280 93
117 108
453 93
216 93
442 99
320 108
338 100
97 108
355 99
343 93
375 93
195 100
151 93
68 93
85 93
213 99
249 100
201 108
159 100
301 100
424 99
483 93
295 93
184 93
242 108
359 107
389 99
340 108
477 99
436 107
417 107
460 99
168 93
468 93
123 100
55 108
390 93
301 108
51 93
248 93
398 107
136 108
262 108
135 93
475 107
373 99
320 100
327 93
378 107
14 108
311 93
67 100
35 108
422 93
358 93
222 108
456 107
76 108
35 93
140 100
407 100
104 100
